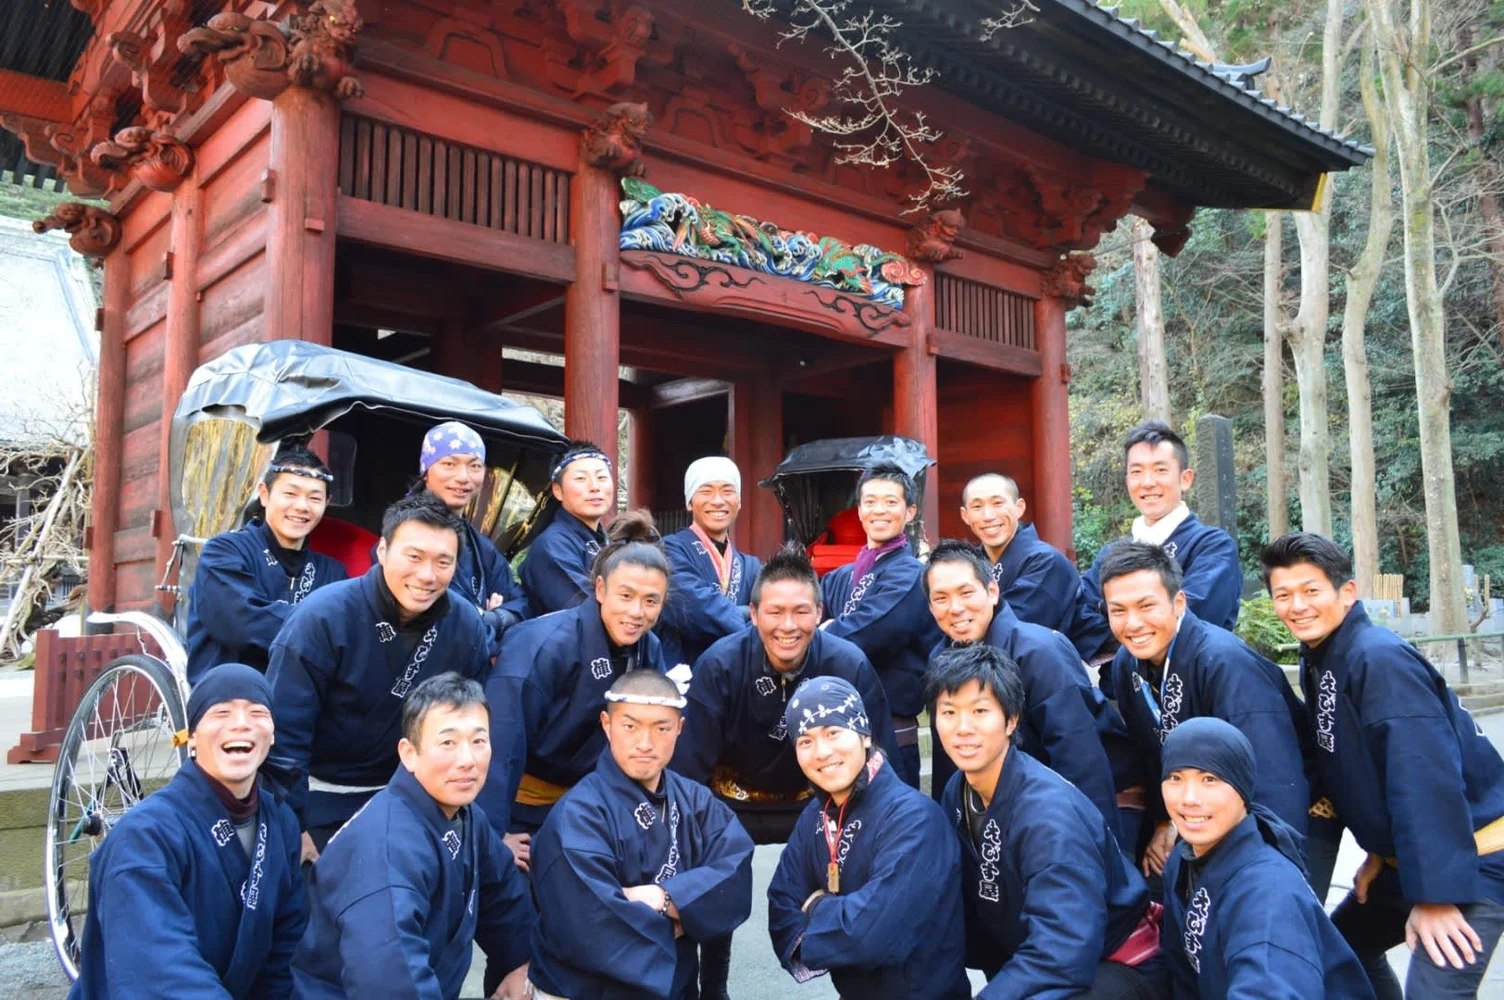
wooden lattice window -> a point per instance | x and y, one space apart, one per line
984 312
396 166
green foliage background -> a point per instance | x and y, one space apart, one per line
1213 304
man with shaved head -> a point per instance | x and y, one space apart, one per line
635 866
1035 578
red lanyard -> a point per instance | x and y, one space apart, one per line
833 842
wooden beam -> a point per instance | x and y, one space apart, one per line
592 311
516 309
33 97
984 353
455 242
687 390
915 394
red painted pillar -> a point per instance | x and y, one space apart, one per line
754 435
642 427
592 310
915 394
109 405
180 355
1051 502
301 224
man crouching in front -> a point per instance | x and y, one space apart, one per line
636 866
405 887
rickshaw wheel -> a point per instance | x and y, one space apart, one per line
120 746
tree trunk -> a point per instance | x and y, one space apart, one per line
1274 393
1153 371
1404 55
1307 332
1488 176
1360 287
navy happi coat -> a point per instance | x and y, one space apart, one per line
244 589
1211 672
556 572
546 693
340 672
1048 895
1242 922
1208 558
894 930
1410 772
400 896
734 718
609 833
697 611
482 570
886 614
178 909
1037 580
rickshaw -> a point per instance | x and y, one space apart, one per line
367 416
816 486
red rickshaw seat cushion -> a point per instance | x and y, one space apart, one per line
839 544
349 543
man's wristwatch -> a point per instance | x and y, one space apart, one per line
667 902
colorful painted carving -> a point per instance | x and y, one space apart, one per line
676 223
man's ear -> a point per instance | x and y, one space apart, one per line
993 591
263 493
600 590
1023 505
558 492
606 721
1186 479
408 754
381 552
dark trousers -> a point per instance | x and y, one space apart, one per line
906 765
1115 981
1323 839
1374 927
941 767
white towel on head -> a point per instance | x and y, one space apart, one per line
712 469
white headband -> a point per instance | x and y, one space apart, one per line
647 699
711 469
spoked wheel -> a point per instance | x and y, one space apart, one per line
120 746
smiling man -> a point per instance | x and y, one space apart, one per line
1174 667
878 603
1066 722
248 581
553 671
636 865
712 579
868 887
196 891
1240 920
1158 477
1412 776
1053 908
452 464
351 654
556 573
1035 578
418 876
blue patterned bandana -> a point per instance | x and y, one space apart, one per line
452 438
826 701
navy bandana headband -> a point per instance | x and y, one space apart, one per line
1209 744
826 701
568 460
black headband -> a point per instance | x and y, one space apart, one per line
301 470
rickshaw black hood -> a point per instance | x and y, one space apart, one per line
853 454
293 388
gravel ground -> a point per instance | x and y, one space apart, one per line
30 971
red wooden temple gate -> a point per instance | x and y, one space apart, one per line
439 182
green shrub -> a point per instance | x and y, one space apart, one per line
1261 628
